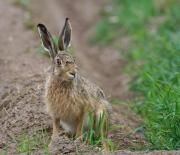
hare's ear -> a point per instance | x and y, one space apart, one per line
65 36
47 40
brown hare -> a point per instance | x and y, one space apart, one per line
69 96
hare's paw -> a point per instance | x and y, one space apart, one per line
55 137
105 146
55 134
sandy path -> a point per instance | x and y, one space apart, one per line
18 57
21 85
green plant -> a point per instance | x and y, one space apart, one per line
96 134
158 80
28 144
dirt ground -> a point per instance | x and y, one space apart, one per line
22 73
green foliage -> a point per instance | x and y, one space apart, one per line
95 136
159 82
103 34
39 141
131 15
155 49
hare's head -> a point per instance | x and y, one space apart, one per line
63 64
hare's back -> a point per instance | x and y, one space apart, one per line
90 89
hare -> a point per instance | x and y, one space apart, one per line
69 96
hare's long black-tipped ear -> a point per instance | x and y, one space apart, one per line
47 40
65 36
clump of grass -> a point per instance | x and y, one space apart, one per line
39 141
95 136
154 31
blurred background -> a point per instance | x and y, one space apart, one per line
131 48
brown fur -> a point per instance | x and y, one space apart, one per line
69 96
67 99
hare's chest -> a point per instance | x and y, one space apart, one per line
62 104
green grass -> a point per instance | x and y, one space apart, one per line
94 137
154 61
28 144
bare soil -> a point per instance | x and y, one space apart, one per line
22 74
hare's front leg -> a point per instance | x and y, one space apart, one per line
56 127
79 126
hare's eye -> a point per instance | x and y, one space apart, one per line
68 62
58 61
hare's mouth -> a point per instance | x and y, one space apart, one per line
72 75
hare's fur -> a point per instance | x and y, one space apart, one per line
71 100
69 96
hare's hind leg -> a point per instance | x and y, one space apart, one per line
103 118
56 127
104 135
